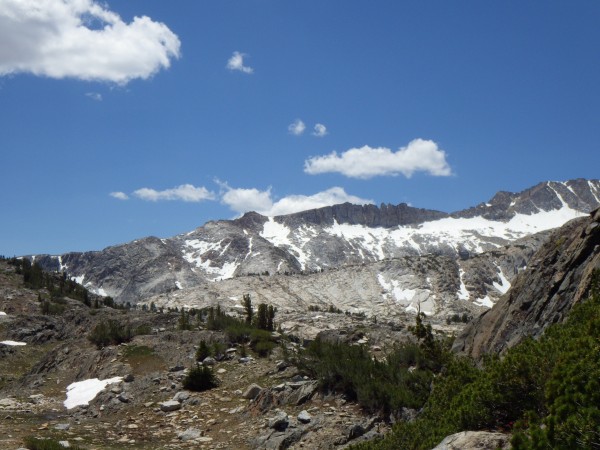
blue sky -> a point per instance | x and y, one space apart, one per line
114 127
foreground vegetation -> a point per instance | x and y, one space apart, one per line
546 392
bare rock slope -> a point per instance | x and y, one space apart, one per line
558 276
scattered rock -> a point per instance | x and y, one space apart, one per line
280 422
304 417
252 392
209 361
128 378
190 434
170 405
181 396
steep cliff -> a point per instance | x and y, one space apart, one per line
558 276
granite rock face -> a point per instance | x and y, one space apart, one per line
558 276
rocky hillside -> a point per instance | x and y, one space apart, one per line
558 276
337 237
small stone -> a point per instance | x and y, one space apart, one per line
170 405
62 426
181 396
221 371
304 417
128 378
123 398
209 361
189 435
252 392
280 422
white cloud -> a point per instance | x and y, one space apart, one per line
185 192
119 195
297 127
236 62
244 200
81 39
320 130
366 162
94 96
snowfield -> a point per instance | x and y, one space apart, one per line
82 392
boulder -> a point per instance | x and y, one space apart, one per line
475 440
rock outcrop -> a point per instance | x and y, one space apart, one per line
558 276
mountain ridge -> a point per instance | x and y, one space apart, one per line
331 237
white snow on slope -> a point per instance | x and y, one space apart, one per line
411 299
2 313
279 235
505 286
13 343
199 248
485 301
82 392
470 232
463 293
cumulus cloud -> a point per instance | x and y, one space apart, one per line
297 127
81 39
119 195
185 192
320 130
366 162
244 200
236 62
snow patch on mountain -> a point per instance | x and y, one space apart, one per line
505 284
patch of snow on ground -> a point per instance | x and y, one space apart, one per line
13 343
485 301
463 293
82 392
79 279
2 313
505 286
178 285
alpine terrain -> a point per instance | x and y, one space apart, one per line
361 259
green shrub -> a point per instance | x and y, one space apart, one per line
110 332
546 391
203 351
200 378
